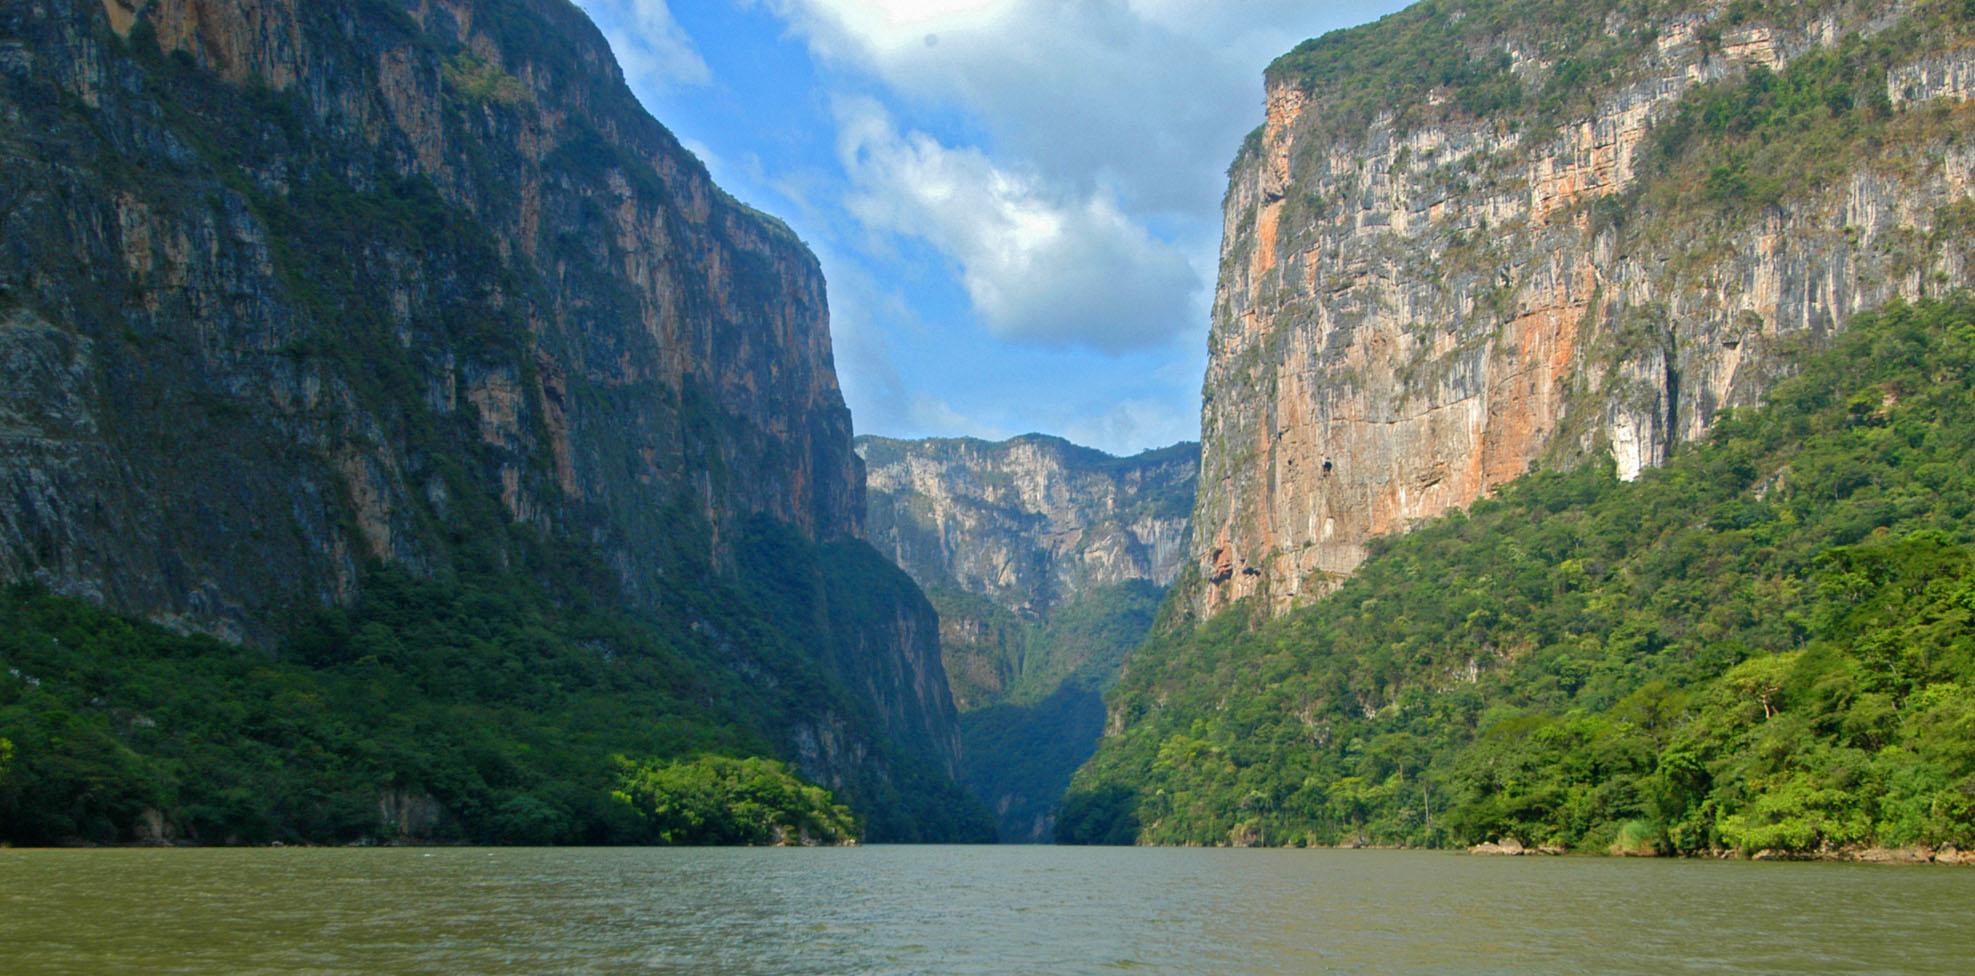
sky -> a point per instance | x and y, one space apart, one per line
1016 203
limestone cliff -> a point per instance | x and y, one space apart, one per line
1478 236
1030 524
1046 562
292 288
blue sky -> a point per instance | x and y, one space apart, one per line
1016 202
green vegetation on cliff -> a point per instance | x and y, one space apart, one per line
1767 137
1020 660
1442 59
1021 748
293 289
485 708
1767 644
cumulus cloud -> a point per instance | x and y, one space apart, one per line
650 45
1084 211
1130 95
1047 170
1130 426
1039 265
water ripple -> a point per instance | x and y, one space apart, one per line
965 910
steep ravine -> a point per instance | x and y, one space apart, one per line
1045 561
292 291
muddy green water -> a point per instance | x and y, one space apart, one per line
965 910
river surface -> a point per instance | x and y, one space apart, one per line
965 910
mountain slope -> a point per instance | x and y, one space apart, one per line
1046 562
1767 644
1030 526
295 297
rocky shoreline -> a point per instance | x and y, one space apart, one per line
1917 854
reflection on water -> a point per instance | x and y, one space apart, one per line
965 910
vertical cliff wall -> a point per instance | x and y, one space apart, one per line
1031 522
1478 236
288 289
1002 533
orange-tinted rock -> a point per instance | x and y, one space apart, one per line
1411 315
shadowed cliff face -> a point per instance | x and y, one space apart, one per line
1420 300
532 251
289 287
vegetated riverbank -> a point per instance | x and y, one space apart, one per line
1767 645
1511 847
787 839
456 715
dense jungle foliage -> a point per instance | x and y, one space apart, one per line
718 800
1765 137
1767 644
490 706
1019 751
1442 59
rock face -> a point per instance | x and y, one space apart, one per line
1027 522
287 288
1421 299
1031 524
1046 562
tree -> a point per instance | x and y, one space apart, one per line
721 800
1762 678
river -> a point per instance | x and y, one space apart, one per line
965 910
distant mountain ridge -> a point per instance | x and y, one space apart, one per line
1031 524
942 506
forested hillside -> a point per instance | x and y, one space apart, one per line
1767 644
395 347
488 709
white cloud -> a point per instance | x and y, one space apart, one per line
1131 426
871 381
1148 98
883 29
1082 209
1040 265
1064 157
939 419
650 45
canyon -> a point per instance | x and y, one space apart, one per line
1046 562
